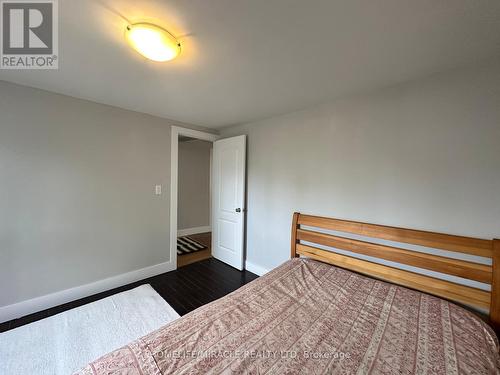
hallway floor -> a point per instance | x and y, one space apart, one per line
203 238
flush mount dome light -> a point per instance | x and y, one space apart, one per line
153 42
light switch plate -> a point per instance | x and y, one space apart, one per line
158 189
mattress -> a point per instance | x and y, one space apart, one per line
313 318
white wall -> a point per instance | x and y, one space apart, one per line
423 155
77 201
193 209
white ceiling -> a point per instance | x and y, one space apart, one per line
244 60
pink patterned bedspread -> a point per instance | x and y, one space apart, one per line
312 318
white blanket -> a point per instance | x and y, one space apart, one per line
66 342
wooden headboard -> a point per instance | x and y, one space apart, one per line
467 295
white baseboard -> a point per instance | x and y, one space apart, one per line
256 269
30 306
189 231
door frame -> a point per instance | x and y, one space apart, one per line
174 177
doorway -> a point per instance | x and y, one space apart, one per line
190 218
226 218
194 233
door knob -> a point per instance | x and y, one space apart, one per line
238 210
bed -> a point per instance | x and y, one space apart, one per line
323 312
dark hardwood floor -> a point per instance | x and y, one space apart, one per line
185 289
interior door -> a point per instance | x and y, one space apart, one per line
228 199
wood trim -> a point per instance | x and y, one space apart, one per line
295 227
195 230
495 287
467 270
473 246
467 295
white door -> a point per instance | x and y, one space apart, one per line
228 199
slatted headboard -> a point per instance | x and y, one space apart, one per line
467 295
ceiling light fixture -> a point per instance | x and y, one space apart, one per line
153 42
